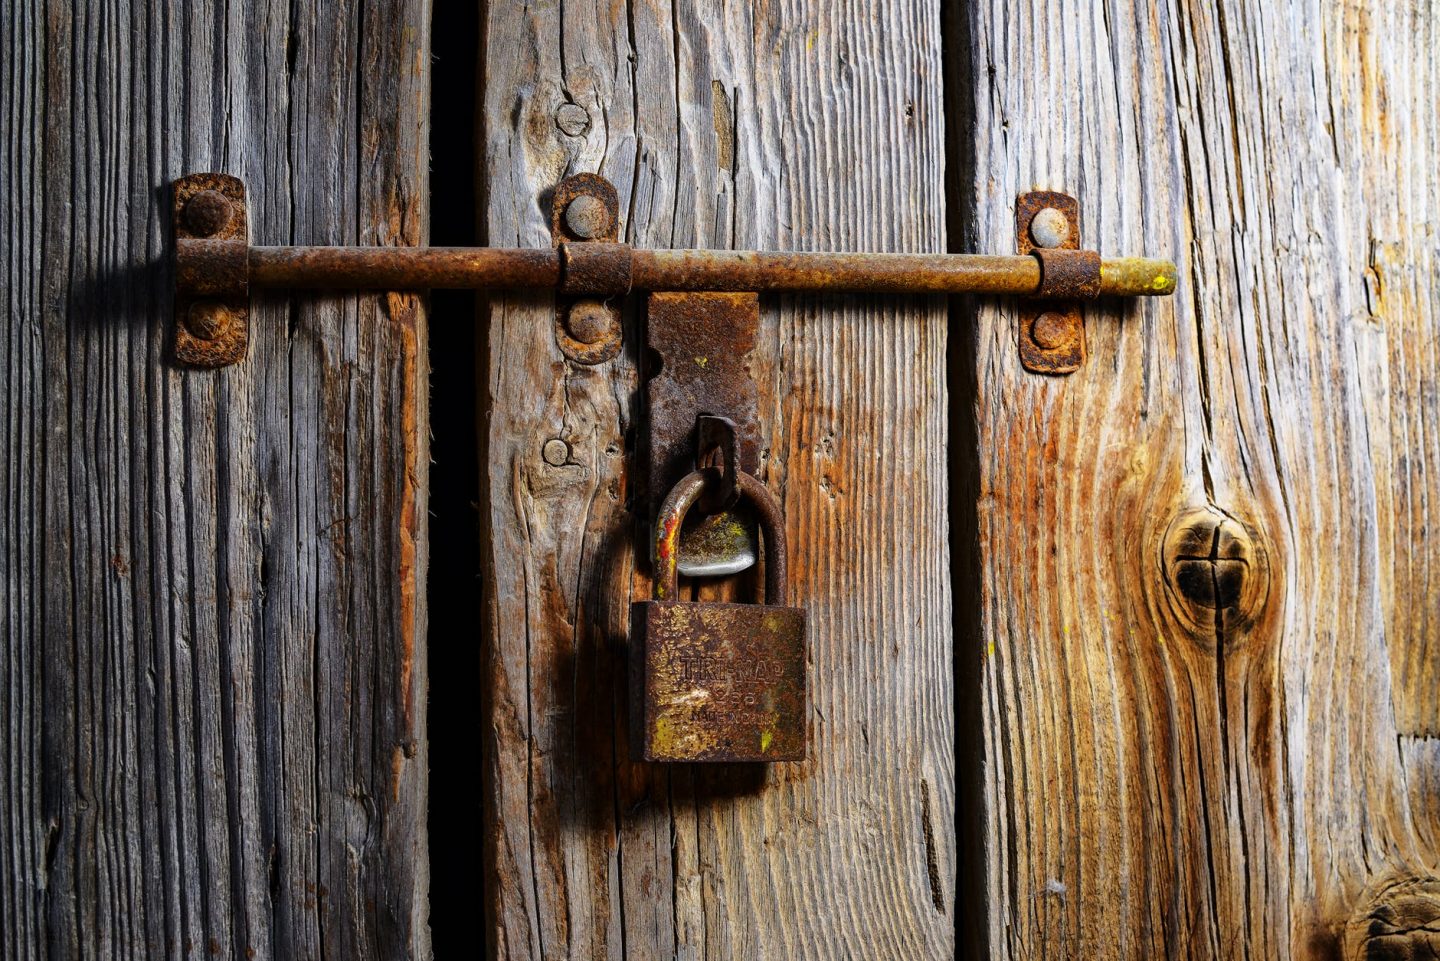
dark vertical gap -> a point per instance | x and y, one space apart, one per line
453 595
971 895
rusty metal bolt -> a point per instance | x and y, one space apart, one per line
589 321
556 452
207 213
572 119
207 319
587 217
1049 228
1052 330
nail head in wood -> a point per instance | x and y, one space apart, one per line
572 119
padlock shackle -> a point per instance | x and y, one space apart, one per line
672 515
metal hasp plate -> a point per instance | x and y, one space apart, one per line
1052 326
717 682
700 362
212 291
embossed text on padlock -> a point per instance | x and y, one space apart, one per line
710 681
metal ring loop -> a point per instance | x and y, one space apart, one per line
672 515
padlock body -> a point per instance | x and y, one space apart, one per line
717 682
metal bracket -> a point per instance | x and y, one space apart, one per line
1052 334
584 215
212 290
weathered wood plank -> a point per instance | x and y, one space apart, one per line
768 126
1165 779
210 691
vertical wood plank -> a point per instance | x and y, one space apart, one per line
1205 583
758 126
210 689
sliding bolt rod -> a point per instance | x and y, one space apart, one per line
494 268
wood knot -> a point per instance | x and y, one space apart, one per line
1216 573
1398 921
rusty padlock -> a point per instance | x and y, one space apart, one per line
717 682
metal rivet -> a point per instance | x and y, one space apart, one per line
572 119
556 452
589 321
1052 330
207 213
587 217
1049 228
207 319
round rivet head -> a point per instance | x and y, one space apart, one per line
589 321
207 319
587 217
572 119
1052 330
1049 228
207 213
556 452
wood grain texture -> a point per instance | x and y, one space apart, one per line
211 696
1165 778
802 124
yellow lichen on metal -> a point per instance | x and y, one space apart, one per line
1131 276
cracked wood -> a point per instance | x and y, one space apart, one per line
1215 765
211 687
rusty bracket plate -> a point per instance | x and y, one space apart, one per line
1052 331
212 293
700 361
585 228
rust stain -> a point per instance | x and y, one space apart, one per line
667 547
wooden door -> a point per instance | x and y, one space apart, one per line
1135 662
1207 659
807 126
211 679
